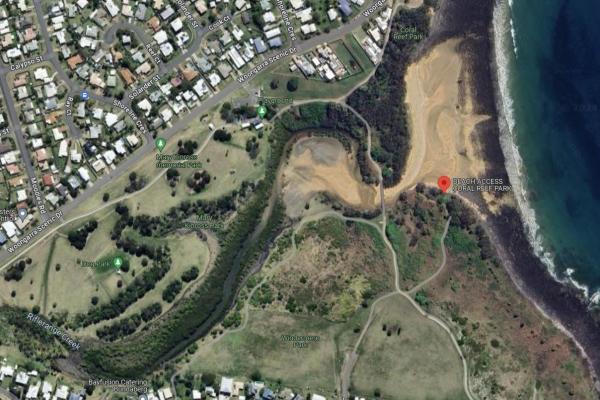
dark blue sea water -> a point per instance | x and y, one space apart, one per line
551 80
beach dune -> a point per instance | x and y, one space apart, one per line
442 121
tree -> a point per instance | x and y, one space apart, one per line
221 135
105 197
172 173
208 379
292 85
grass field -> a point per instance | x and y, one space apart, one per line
31 283
259 347
228 165
72 286
420 363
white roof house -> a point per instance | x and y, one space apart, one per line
22 378
226 387
161 37
84 173
62 392
33 391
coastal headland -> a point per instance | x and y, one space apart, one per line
451 94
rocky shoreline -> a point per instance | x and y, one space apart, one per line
564 304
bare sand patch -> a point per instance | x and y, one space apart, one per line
319 164
442 121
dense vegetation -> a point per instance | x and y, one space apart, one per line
172 290
78 237
35 342
382 101
129 325
190 274
140 285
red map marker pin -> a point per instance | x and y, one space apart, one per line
444 183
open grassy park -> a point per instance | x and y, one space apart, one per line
406 356
260 347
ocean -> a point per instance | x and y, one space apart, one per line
548 65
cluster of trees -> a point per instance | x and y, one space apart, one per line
172 290
119 329
464 218
187 148
233 320
129 325
135 183
252 147
198 181
190 274
292 84
230 114
144 224
221 135
35 342
382 100
132 247
15 271
78 237
172 176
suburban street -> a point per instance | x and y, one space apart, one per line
148 145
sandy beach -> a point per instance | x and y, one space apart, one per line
442 121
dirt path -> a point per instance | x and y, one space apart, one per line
442 264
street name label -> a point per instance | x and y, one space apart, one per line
36 231
219 22
183 9
27 63
38 195
374 7
265 64
286 19
56 331
136 120
144 87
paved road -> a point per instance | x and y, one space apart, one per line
184 121
15 125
